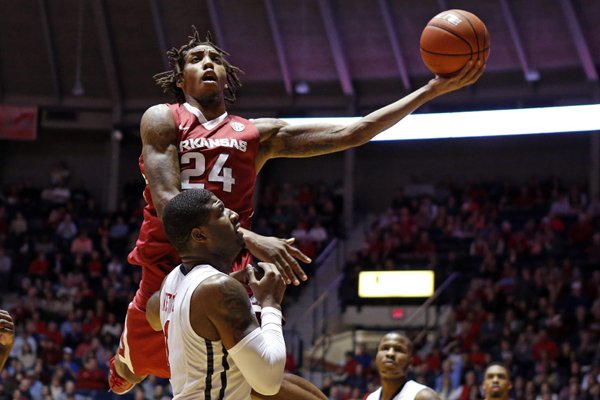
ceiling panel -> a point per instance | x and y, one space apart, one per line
364 47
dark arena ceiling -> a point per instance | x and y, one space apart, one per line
300 57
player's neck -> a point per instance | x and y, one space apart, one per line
189 262
211 107
391 387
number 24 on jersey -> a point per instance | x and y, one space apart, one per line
218 172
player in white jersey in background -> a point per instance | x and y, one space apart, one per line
215 346
496 382
394 357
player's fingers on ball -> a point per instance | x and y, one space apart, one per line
472 73
477 73
5 315
467 68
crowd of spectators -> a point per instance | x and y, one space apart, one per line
529 293
65 279
310 213
531 254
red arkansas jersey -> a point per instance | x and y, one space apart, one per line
217 155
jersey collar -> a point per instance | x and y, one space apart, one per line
202 119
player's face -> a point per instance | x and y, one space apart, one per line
223 226
496 383
394 355
203 73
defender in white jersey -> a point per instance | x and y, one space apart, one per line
394 356
215 346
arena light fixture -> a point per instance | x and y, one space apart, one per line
523 121
385 284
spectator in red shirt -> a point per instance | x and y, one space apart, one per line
350 363
54 334
468 389
476 356
90 378
424 247
544 343
94 265
92 323
40 265
581 232
434 360
49 352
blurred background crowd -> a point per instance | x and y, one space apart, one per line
527 255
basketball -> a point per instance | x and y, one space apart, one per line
451 39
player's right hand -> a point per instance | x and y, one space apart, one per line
270 288
7 329
470 73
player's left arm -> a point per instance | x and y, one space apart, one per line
279 139
427 394
153 311
7 336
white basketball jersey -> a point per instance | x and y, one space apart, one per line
200 368
408 392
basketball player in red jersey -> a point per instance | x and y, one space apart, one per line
195 143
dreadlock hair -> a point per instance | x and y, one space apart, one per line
168 80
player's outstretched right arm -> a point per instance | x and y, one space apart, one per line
259 352
161 159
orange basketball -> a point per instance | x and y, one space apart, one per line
451 39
